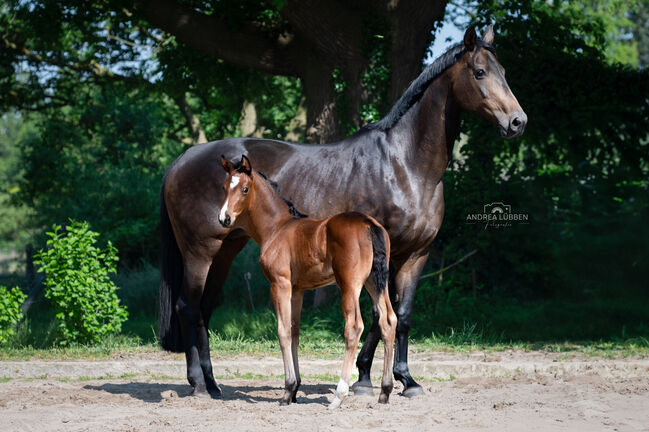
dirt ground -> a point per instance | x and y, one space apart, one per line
507 391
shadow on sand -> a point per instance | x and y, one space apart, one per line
155 392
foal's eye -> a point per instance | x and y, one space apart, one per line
480 73
245 189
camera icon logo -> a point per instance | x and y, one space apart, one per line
497 207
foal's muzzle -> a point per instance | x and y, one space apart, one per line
226 221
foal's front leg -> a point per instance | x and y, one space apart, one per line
296 313
281 295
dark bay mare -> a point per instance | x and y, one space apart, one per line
391 170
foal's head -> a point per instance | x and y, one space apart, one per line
237 190
480 86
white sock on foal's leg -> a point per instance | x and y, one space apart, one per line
341 393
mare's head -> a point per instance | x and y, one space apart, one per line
238 187
480 87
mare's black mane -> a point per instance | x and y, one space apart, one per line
419 85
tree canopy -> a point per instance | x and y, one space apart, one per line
98 98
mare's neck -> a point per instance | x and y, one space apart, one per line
266 213
427 131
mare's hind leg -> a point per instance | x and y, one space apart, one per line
406 283
353 331
363 387
216 277
188 308
296 313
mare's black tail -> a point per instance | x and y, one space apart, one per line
380 250
171 276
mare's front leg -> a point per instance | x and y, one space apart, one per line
296 313
406 279
188 309
217 275
280 291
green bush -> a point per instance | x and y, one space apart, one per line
10 312
78 283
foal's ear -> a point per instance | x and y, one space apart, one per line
227 165
245 166
470 38
489 35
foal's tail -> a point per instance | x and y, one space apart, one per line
381 253
171 276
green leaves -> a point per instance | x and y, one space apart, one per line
77 281
10 311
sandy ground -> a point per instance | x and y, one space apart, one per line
507 391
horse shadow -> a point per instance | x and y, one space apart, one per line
158 392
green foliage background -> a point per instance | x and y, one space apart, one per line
10 311
77 282
77 146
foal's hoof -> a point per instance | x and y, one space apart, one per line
413 391
363 389
384 398
284 403
336 402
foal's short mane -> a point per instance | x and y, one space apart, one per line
291 208
419 85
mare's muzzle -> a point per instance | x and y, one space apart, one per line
516 127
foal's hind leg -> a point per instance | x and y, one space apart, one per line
387 323
217 275
188 308
353 332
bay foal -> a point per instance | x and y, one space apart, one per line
299 253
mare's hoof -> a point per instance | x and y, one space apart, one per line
363 389
284 403
413 391
215 392
201 392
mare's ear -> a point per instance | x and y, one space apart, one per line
470 38
489 35
227 165
245 166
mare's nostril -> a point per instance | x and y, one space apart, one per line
227 220
516 122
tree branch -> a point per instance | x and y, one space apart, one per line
91 67
248 46
334 29
442 270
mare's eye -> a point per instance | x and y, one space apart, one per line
245 189
480 73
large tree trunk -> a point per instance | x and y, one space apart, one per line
411 23
321 121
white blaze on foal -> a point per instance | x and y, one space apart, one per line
233 183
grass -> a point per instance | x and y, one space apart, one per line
610 329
